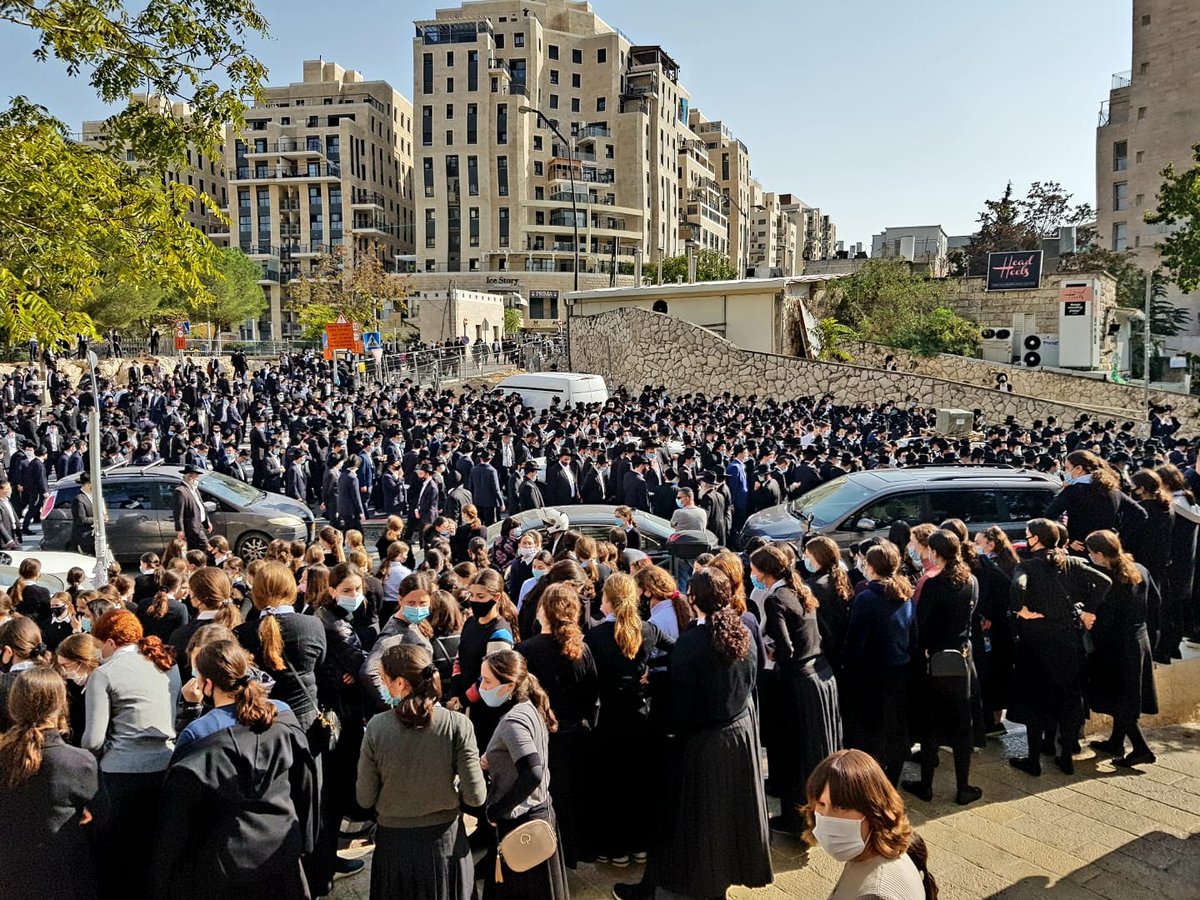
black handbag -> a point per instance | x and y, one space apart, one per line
326 729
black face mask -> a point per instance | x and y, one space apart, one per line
207 701
481 609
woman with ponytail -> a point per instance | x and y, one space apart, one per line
517 762
720 787
564 666
21 648
804 704
163 614
1120 673
830 584
219 833
50 798
418 764
210 593
130 710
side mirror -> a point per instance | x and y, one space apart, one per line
210 506
866 524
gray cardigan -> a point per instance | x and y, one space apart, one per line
407 774
129 704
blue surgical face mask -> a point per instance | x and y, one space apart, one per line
386 696
415 614
811 566
491 696
538 574
86 625
1068 478
679 503
444 534
757 583
350 604
915 557
618 521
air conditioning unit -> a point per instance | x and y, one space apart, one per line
955 421
997 345
1039 350
1022 324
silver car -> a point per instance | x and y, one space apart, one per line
141 514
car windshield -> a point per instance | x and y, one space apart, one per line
229 490
830 502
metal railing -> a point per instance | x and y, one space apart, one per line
434 367
1122 79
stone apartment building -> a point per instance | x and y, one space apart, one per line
1151 119
775 240
731 166
494 204
323 163
203 172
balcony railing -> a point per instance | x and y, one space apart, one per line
594 131
360 197
247 173
312 145
1122 79
561 152
1105 115
260 250
518 89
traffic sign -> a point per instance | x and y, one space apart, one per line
372 340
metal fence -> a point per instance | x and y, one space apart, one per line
434 367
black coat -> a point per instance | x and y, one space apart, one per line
238 810
592 487
1120 671
944 614
45 854
529 495
561 490
1090 508
304 649
636 492
484 483
833 616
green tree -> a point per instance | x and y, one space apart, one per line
1091 257
882 296
65 209
941 330
1179 210
233 294
831 335
710 266
1166 320
346 284
512 320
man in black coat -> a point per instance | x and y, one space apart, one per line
562 480
712 501
16 476
592 483
83 518
636 492
349 496
192 523
258 450
529 495
36 486
295 481
485 488
10 526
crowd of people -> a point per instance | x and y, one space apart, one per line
490 713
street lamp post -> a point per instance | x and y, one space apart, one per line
100 575
570 145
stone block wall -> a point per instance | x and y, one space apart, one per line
635 347
970 299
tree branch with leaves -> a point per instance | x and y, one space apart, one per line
345 283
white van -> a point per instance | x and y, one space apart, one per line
537 391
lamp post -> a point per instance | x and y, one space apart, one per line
99 514
570 145
1146 345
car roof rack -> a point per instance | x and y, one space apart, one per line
142 470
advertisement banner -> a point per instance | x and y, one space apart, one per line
1014 270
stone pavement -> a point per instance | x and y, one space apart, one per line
1102 833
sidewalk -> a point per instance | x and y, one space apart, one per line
1102 833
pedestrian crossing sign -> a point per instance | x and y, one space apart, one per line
372 340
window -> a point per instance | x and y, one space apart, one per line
1021 506
1145 20
449 57
1139 200
609 151
1140 157
450 112
473 176
537 142
502 123
427 73
1120 156
553 51
1142 112
472 123
554 76
601 104
499 42
519 39
430 229
576 80
449 137
972 507
503 226
554 101
574 104
1120 196
449 85
473 70
539 169
539 218
1120 237
577 57
428 167
427 126
502 176
1144 68
473 222
243 198
602 55
495 85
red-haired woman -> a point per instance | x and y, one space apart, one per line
130 710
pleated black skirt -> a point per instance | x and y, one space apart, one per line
428 863
719 836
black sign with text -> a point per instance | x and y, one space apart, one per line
1014 271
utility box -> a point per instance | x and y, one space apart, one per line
1079 337
955 421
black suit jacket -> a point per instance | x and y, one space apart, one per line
529 495
83 523
592 488
190 515
484 484
561 490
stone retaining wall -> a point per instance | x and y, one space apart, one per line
635 347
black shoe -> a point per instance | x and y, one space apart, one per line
344 868
1066 764
918 789
968 794
1136 759
792 826
1028 764
1110 747
627 891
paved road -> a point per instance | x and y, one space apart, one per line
1103 833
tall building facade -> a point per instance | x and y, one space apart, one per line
494 203
322 164
1149 121
203 172
774 237
731 165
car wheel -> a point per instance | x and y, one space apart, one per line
252 545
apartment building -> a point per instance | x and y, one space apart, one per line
774 237
322 163
502 191
203 172
703 212
731 163
920 243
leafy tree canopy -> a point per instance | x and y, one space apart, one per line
1179 209
347 284
710 266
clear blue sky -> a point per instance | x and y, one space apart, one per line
882 113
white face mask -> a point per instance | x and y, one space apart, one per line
840 838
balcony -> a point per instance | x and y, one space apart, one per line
310 147
270 273
1122 79
297 251
1105 116
361 198
261 250
563 153
593 131
289 205
315 172
518 89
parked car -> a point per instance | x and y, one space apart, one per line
140 512
861 505
539 390
596 520
55 566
